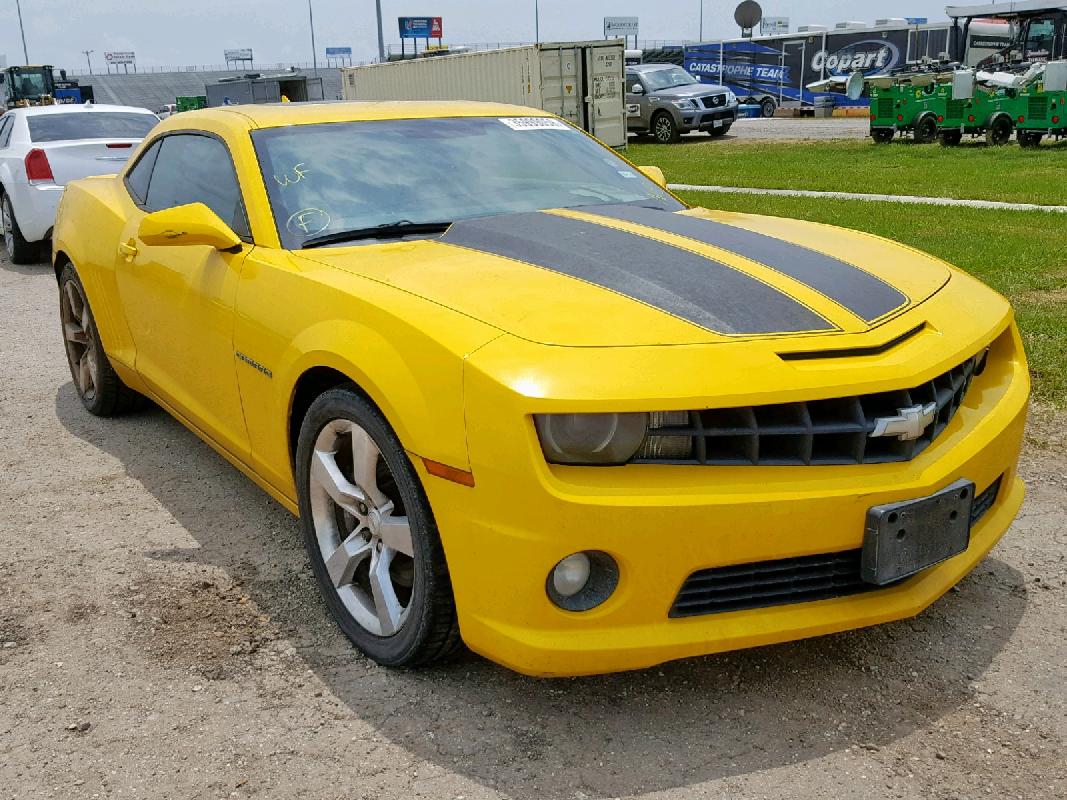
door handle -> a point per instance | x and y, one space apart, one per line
128 249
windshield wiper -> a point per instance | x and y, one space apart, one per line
402 227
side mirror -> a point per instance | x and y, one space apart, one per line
192 224
637 89
656 174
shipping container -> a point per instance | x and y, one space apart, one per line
582 82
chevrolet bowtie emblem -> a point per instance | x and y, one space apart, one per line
908 425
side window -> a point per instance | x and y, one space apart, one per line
137 178
6 124
190 168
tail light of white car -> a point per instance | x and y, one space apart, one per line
38 170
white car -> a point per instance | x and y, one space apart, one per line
44 147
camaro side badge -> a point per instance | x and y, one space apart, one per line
909 424
256 364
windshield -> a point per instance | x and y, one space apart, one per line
61 127
30 84
348 176
668 78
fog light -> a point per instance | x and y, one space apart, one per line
582 581
571 575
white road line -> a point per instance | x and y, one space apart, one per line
873 198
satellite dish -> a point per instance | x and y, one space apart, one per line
748 14
854 86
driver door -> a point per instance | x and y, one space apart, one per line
179 300
638 109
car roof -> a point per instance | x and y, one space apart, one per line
76 108
273 115
651 67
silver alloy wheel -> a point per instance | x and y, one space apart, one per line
9 232
664 129
78 338
366 547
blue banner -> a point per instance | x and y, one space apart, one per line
338 52
420 27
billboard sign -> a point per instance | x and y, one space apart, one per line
420 27
616 27
240 54
120 57
768 26
338 52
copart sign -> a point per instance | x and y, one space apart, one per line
869 56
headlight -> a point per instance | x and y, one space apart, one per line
731 98
590 438
684 104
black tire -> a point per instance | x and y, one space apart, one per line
717 132
767 107
926 130
883 135
950 138
664 128
1029 139
107 396
15 245
430 630
999 133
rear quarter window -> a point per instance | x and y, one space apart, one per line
90 125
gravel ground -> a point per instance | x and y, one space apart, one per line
796 129
160 637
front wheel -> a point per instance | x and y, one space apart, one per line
725 129
1029 139
999 133
15 245
767 107
950 138
99 387
883 135
926 130
664 128
371 536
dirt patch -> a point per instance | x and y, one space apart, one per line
208 629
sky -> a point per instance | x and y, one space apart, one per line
168 33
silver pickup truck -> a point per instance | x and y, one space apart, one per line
664 101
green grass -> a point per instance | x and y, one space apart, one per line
1019 253
1008 173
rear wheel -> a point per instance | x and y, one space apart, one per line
664 128
15 245
1029 139
999 133
100 389
725 129
370 534
926 130
950 138
883 135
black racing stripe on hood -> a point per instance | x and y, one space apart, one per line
669 278
865 295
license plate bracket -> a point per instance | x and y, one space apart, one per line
906 537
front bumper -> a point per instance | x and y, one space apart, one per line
707 120
661 523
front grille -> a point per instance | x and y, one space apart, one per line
787 580
715 101
885 106
1037 108
816 432
955 109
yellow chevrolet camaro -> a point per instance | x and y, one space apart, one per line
521 396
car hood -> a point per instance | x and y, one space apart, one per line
689 90
624 275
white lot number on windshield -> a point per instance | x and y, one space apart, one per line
534 123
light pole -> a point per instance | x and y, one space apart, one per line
381 36
537 23
314 55
701 37
88 61
22 30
